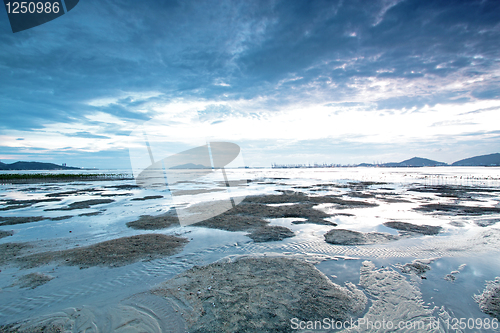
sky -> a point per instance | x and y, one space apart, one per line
340 82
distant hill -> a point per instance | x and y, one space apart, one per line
420 162
483 160
412 162
34 166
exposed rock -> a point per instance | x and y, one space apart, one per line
349 237
10 251
395 300
458 209
148 222
83 204
418 267
115 252
229 222
270 233
489 300
12 220
258 294
33 280
4 233
148 197
410 227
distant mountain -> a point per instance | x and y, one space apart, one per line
420 162
412 162
483 160
34 166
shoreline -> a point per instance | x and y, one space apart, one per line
27 178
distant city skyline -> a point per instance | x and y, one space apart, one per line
290 82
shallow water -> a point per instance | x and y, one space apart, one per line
461 241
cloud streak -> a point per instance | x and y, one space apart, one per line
424 74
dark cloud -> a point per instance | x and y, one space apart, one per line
285 51
492 93
105 159
86 135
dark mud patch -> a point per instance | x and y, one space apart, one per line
303 202
124 187
298 210
60 218
303 187
30 201
31 189
367 183
10 251
4 233
350 237
106 195
33 280
489 300
253 210
16 204
116 252
12 220
91 213
148 222
285 197
83 204
235 183
413 228
14 207
270 233
418 267
394 200
486 222
362 195
231 222
258 295
457 209
361 186
18 328
342 203
451 191
148 197
318 221
299 197
74 192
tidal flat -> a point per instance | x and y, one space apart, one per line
361 243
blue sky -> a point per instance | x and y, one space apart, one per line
288 81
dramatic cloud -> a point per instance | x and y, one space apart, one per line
289 81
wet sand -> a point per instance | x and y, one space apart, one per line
83 204
350 237
4 233
270 234
412 228
345 204
33 280
148 222
489 300
249 214
116 252
258 294
148 197
10 251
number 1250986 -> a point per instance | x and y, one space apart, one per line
32 7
